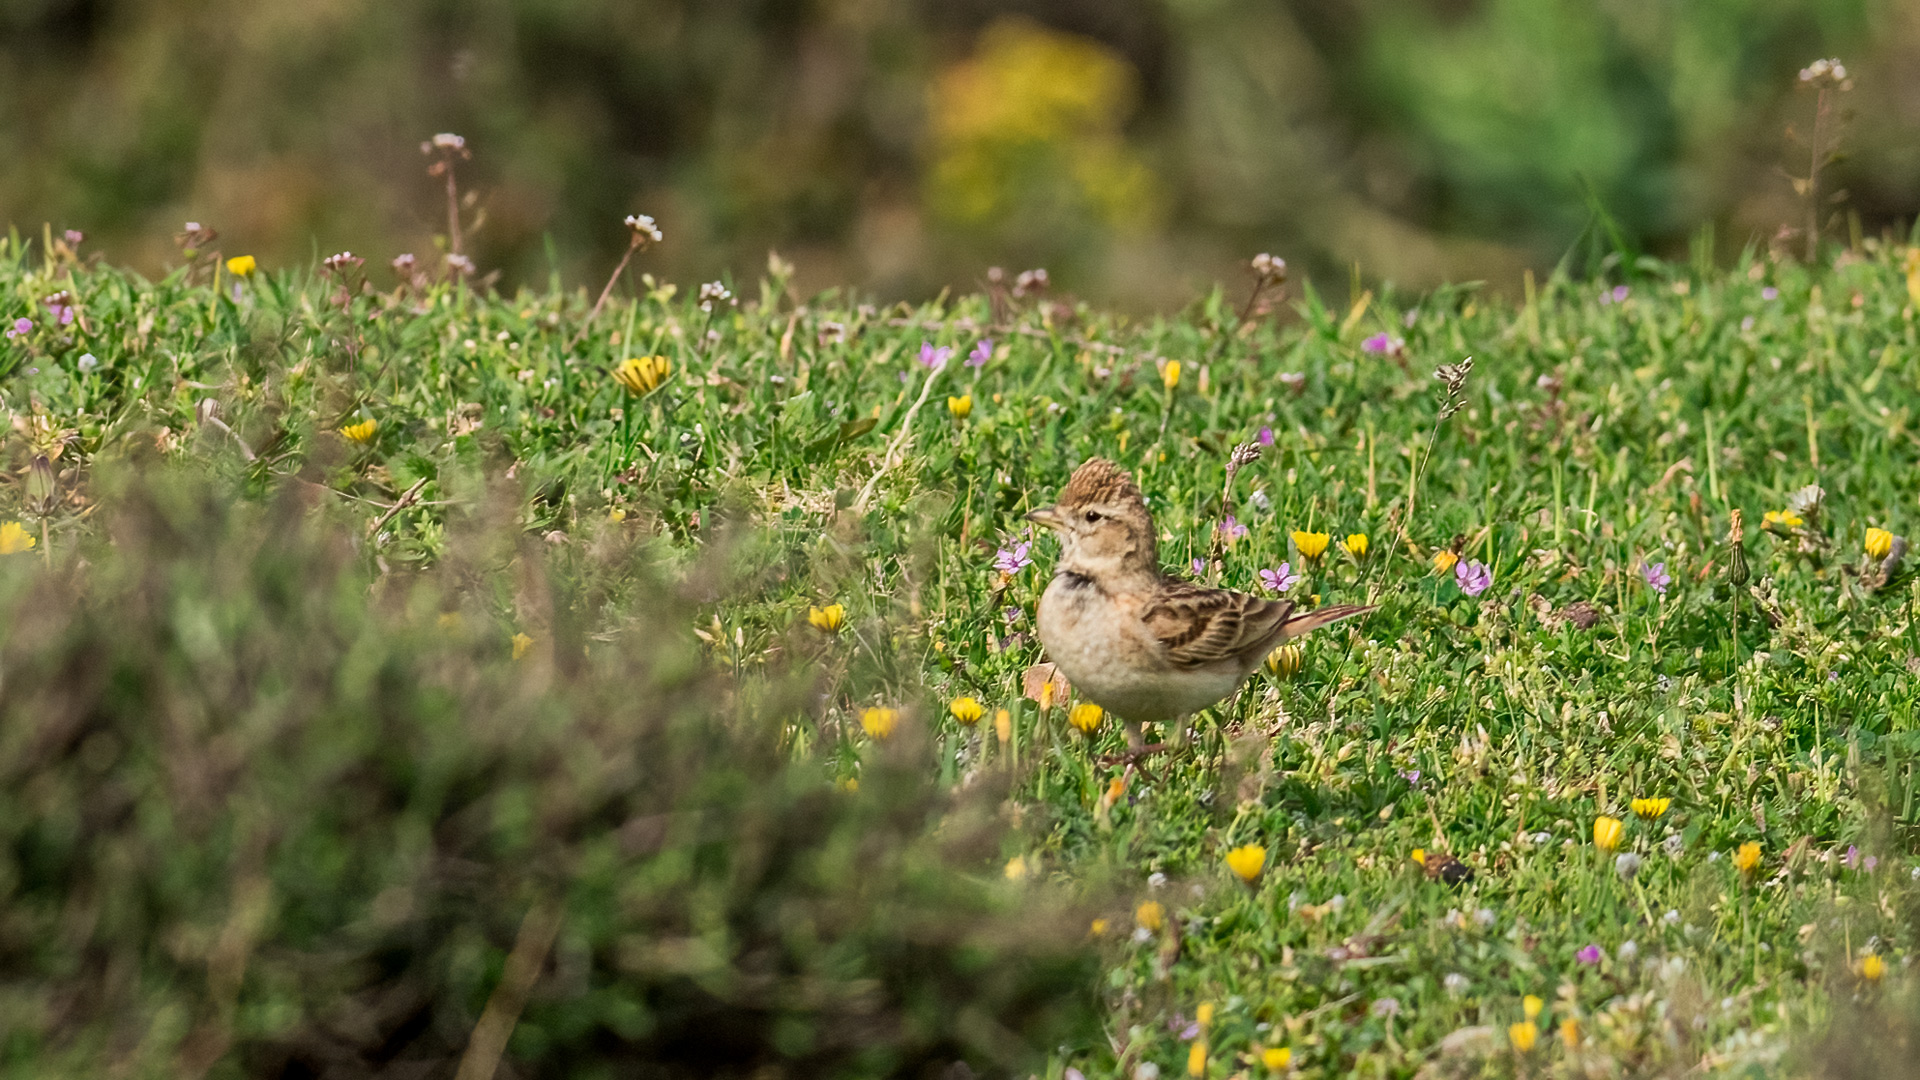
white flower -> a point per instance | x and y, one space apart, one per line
1387 1006
1484 916
1673 844
1627 951
1455 983
87 362
1627 865
1156 880
1146 1070
1672 916
642 226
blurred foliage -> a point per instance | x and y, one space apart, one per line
253 824
1137 146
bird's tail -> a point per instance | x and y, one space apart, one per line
1297 625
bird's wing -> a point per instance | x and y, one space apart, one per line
1199 627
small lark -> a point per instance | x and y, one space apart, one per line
1144 646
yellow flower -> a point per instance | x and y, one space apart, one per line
1356 544
1286 661
1276 1057
828 619
616 514
15 538
1247 861
1872 967
1748 857
1003 726
241 266
1648 809
1150 915
1443 561
1531 1005
642 374
966 710
1204 1014
521 643
1311 544
1419 856
1017 868
1879 543
1098 928
1785 519
851 783
361 432
960 406
1523 1035
879 722
1197 1058
1607 832
1170 375
1570 1033
1086 717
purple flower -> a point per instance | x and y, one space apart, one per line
1852 861
1411 776
981 353
1656 575
1472 576
1073 1074
1280 580
1230 529
1769 293
1617 294
1870 862
62 313
1588 955
1199 567
1383 343
934 358
1191 1031
1265 438
1014 559
21 328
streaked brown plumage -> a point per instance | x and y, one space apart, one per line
1147 647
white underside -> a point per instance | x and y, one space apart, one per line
1117 664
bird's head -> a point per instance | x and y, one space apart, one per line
1103 522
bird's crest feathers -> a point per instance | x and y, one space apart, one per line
1099 481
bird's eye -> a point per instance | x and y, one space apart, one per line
1093 516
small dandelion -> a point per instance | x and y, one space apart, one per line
642 375
14 538
827 619
1523 1035
521 644
361 432
1150 916
966 710
1747 858
1781 520
1003 726
1531 1006
1472 576
961 407
1170 375
1444 561
1276 1058
1197 1058
1648 809
1310 544
1086 717
1607 832
1570 1033
1872 967
1879 543
1247 862
1355 544
241 266
1286 661
1281 579
1017 869
879 721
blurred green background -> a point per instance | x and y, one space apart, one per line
1136 148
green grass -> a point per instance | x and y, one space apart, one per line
781 442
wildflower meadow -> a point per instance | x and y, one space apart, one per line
405 677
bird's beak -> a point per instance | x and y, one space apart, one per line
1048 516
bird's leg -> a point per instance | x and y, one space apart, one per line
1137 747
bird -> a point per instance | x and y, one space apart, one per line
1141 644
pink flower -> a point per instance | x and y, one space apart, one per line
21 328
1616 295
1230 529
1384 344
1588 955
1265 437
1199 567
934 358
981 353
1472 576
1279 580
1769 293
1014 559
1656 575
